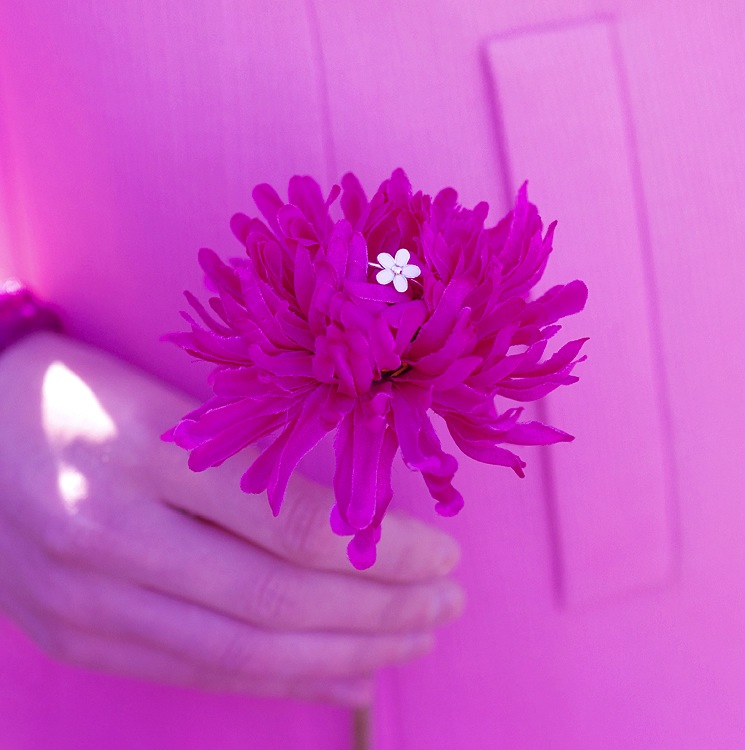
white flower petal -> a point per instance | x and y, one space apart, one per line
402 257
401 283
385 276
386 260
411 272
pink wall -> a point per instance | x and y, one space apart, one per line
606 600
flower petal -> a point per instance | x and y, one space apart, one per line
402 257
385 276
305 193
306 342
367 439
353 200
386 260
361 550
268 202
357 259
400 282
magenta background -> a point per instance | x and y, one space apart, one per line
606 604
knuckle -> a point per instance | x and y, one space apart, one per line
74 537
235 653
272 601
306 533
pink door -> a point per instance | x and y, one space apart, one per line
605 589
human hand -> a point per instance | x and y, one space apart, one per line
117 557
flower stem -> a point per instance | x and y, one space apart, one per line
362 728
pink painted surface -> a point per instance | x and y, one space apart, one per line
614 517
130 132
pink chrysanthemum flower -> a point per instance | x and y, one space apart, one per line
309 335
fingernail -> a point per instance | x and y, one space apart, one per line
447 556
451 603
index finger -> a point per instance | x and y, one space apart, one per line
409 550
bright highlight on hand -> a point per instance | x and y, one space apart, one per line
119 558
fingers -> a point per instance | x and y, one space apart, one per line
205 565
102 653
409 549
187 559
230 645
253 603
217 644
185 643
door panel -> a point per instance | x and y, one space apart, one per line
566 127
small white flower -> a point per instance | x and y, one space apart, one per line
398 269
